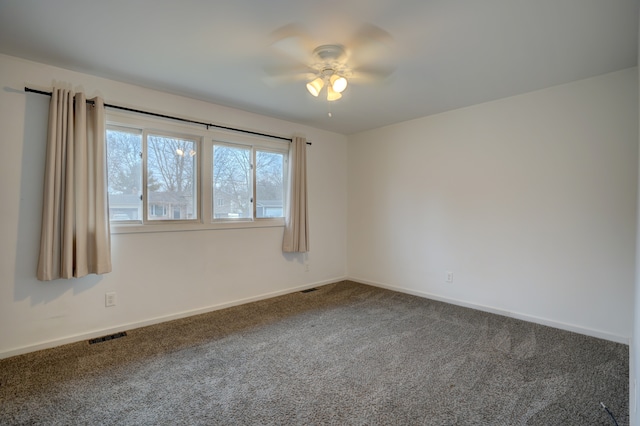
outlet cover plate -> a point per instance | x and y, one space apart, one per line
110 299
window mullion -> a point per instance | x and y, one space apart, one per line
145 173
206 181
253 182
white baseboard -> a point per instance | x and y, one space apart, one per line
542 321
133 325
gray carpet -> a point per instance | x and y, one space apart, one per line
345 354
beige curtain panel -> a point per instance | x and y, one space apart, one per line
75 236
296 229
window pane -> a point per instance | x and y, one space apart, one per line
171 178
269 184
232 181
124 174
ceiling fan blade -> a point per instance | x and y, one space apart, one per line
293 42
277 80
279 74
369 44
284 69
371 74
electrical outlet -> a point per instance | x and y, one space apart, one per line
110 299
449 277
306 267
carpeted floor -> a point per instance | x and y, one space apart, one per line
346 354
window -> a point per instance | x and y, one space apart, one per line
169 187
157 210
242 191
232 182
270 189
124 170
171 177
168 176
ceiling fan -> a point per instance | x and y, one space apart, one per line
362 59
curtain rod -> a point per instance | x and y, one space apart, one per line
170 117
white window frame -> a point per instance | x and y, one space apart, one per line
253 145
206 139
154 131
285 177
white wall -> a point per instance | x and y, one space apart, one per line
159 275
530 201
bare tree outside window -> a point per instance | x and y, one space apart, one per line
269 184
124 174
171 166
232 178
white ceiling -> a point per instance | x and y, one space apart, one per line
447 54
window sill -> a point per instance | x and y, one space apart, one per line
137 228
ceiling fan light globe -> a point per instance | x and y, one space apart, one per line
315 86
332 95
338 83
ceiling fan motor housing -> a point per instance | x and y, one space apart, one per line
329 52
330 60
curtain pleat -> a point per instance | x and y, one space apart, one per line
75 238
296 230
99 237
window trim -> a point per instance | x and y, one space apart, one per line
205 140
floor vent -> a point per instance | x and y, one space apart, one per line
309 290
109 337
